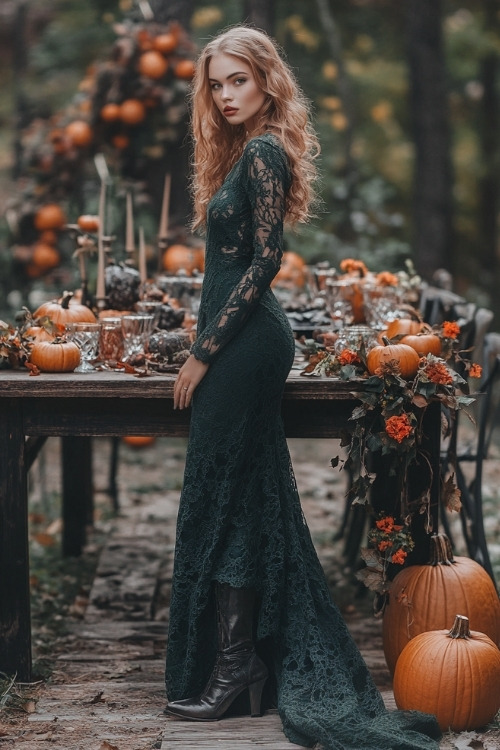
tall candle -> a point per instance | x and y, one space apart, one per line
101 283
162 233
142 256
129 232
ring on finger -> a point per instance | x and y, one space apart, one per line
184 388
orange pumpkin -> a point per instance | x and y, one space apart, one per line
132 111
184 69
182 258
403 327
292 271
39 333
50 216
453 674
110 112
424 343
120 141
406 357
427 597
45 256
55 356
88 223
152 64
62 312
138 441
79 133
165 43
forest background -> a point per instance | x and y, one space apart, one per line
405 98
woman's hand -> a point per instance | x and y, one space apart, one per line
190 376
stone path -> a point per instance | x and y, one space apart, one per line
106 691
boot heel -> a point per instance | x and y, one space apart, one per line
255 693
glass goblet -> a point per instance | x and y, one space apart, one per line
86 337
136 329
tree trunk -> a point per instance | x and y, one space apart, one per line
261 14
489 187
432 209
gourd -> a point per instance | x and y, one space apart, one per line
427 597
184 69
45 256
403 327
182 258
62 312
55 356
122 286
79 133
132 111
88 223
406 358
139 441
454 675
292 271
152 64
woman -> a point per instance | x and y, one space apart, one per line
251 611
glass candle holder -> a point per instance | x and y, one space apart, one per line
86 337
136 330
111 340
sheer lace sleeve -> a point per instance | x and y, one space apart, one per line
267 176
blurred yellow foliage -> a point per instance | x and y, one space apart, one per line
206 17
382 111
339 121
331 102
330 70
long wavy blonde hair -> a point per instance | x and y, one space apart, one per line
218 145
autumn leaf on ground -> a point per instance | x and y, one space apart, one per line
105 745
451 494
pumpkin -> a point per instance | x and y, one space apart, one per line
88 223
453 674
45 256
55 356
406 358
165 43
79 133
184 69
152 64
403 327
292 271
110 112
182 258
62 312
138 441
132 111
50 216
426 597
122 286
39 333
424 343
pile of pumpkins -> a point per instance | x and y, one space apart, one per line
439 664
404 340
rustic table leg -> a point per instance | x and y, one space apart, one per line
15 619
77 492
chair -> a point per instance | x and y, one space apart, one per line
474 451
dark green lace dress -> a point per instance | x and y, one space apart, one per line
240 519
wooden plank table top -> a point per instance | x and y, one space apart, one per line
78 406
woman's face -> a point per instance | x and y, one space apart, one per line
235 90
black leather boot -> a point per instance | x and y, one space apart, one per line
237 666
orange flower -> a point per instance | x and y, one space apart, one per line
398 428
348 357
450 329
475 371
384 544
349 265
386 278
438 373
399 557
385 524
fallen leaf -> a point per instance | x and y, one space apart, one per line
105 745
29 707
46 540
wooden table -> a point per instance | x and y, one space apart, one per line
77 407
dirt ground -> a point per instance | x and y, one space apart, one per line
99 621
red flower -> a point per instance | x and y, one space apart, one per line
348 357
475 371
349 265
384 544
386 278
385 524
399 557
438 373
450 329
398 428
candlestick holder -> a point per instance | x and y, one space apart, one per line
162 246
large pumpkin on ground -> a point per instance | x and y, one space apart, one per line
453 674
427 597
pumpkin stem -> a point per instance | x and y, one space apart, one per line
66 300
441 552
460 627
386 341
